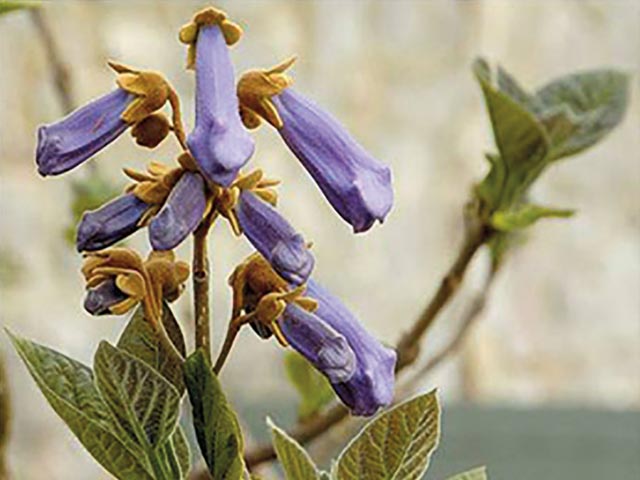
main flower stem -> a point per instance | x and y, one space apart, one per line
201 288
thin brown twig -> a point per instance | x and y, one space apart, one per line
409 345
471 314
59 69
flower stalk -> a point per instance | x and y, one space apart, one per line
201 280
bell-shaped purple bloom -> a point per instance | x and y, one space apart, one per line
66 144
100 299
181 213
364 386
274 238
110 223
355 183
219 143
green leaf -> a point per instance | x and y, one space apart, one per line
314 389
295 461
521 139
509 85
142 341
596 102
183 452
396 445
7 6
475 474
176 455
144 404
524 216
69 388
215 422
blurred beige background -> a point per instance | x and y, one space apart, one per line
563 322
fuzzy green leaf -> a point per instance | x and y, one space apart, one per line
475 474
595 102
215 422
69 388
522 143
313 388
524 216
142 341
182 451
395 445
144 404
295 461
175 455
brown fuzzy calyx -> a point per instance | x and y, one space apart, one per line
227 198
151 91
207 17
154 185
148 281
260 292
255 89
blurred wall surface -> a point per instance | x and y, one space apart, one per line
562 325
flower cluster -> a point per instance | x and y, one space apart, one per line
273 289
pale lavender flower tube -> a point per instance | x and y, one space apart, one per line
356 184
219 143
181 214
100 299
110 223
319 343
69 142
274 238
368 385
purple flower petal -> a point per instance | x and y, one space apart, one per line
66 144
323 346
371 386
274 238
219 142
356 184
101 298
181 213
110 223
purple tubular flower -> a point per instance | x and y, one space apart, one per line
66 144
219 142
110 223
181 213
320 344
274 238
356 184
364 387
101 298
